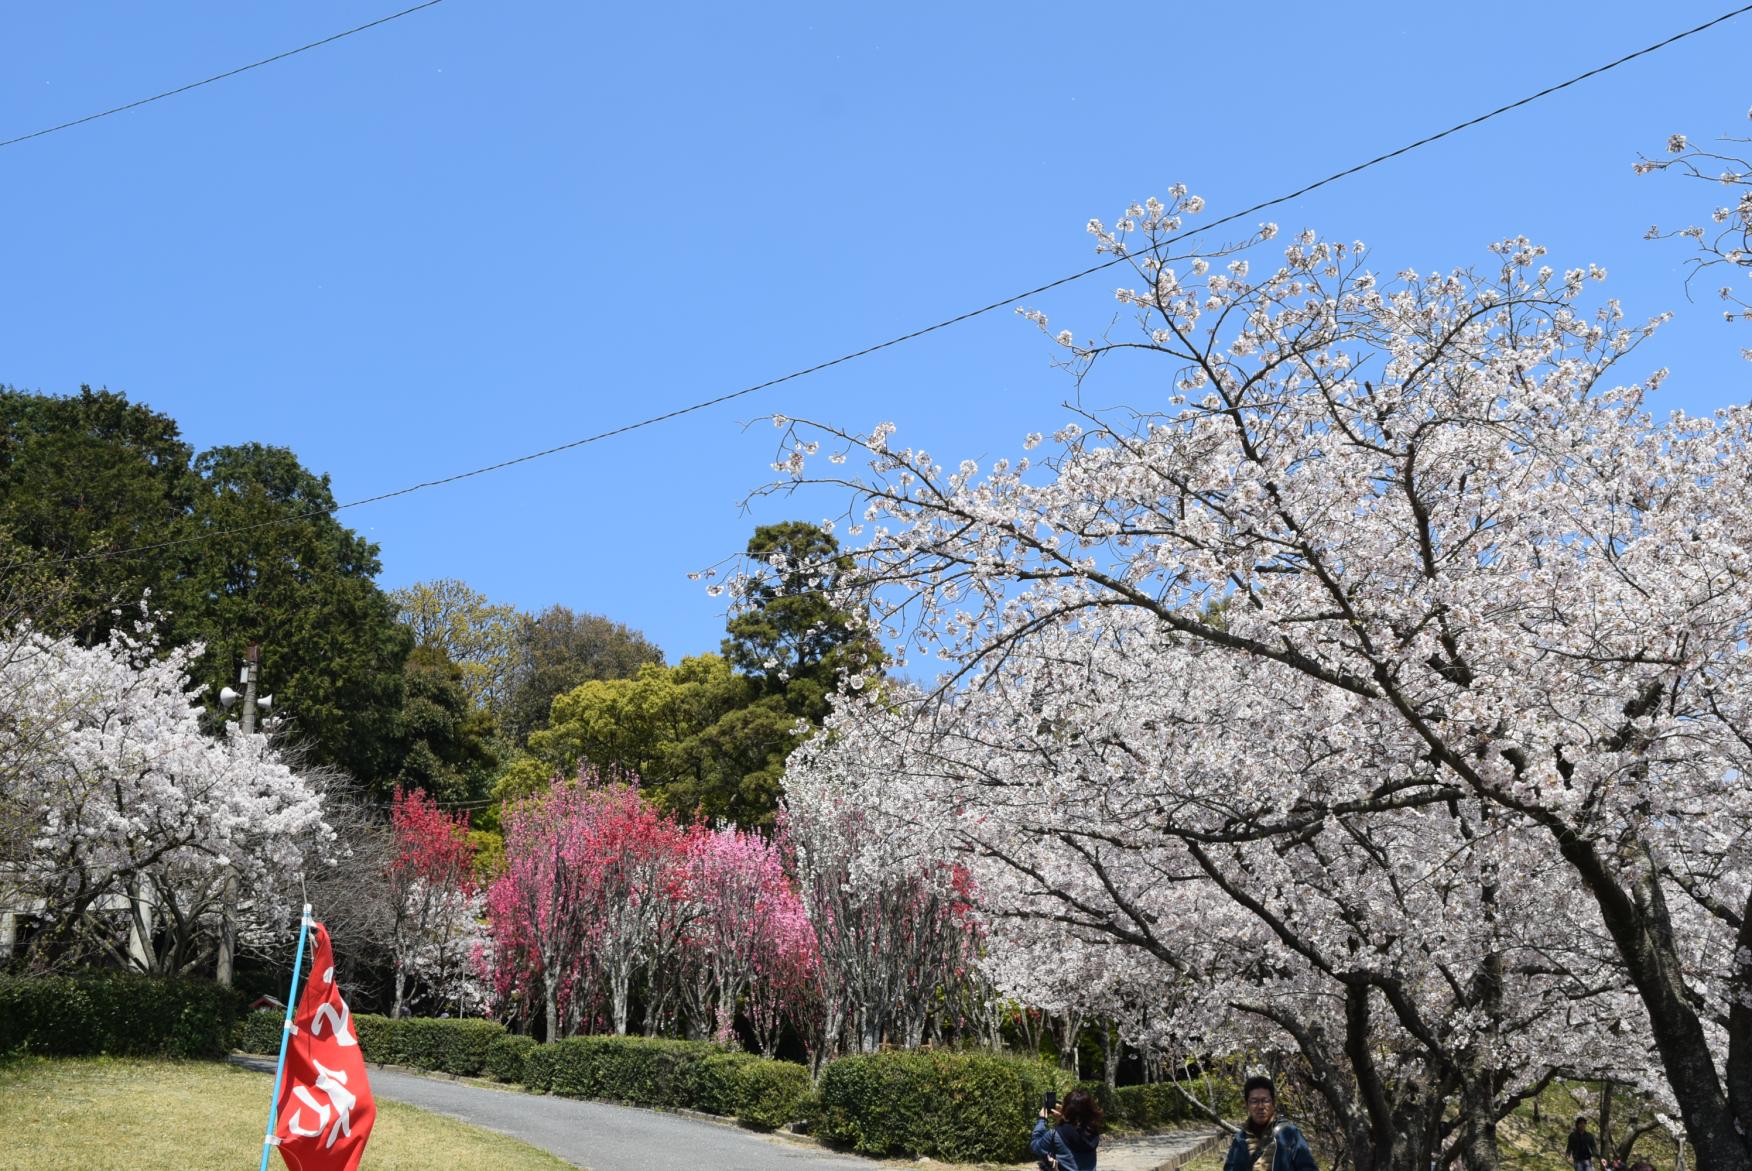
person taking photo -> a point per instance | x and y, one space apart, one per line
1066 1135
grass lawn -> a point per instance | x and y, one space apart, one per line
101 1113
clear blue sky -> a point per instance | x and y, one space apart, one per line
488 227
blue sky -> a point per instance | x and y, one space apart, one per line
487 228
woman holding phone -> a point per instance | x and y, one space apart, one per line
1066 1134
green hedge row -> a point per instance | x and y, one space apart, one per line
1143 1108
963 1107
650 1071
447 1045
505 1057
957 1106
116 1013
441 1044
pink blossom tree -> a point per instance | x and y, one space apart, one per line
434 903
736 882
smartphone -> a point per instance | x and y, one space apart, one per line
1050 1101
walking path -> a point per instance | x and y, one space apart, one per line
1159 1152
605 1137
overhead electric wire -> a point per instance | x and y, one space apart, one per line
183 89
891 342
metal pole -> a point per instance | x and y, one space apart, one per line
228 907
285 1035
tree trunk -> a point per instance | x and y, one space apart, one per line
1642 930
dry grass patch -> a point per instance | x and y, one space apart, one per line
102 1113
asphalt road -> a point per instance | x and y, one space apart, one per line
603 1137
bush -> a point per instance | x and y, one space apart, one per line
506 1056
689 1075
962 1107
435 1043
259 1031
449 1046
118 1013
1161 1105
770 1094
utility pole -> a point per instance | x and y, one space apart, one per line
228 911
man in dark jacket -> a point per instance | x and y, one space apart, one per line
1580 1148
1267 1142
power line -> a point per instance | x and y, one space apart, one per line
653 420
183 89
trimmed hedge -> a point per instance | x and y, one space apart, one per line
259 1031
457 1046
435 1043
118 1013
505 1057
1151 1107
652 1071
963 1107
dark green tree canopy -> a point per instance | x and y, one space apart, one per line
86 473
789 638
93 473
301 584
557 650
447 739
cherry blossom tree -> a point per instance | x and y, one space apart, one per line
890 923
434 902
1435 536
137 816
1726 244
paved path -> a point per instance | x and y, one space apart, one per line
604 1137
1156 1151
600 1136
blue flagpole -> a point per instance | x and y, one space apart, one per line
285 1036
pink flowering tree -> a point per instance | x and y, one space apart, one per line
590 905
434 902
634 858
785 986
540 908
733 876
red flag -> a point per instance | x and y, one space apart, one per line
325 1111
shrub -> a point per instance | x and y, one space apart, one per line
770 1094
449 1046
962 1107
690 1075
1161 1105
506 1056
435 1043
117 1013
259 1031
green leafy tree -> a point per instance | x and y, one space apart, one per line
275 567
556 651
478 636
83 475
787 636
700 738
447 740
